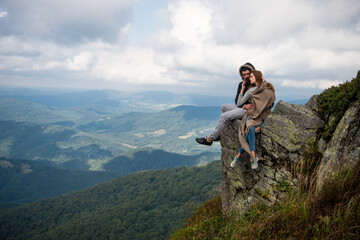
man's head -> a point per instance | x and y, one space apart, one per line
245 71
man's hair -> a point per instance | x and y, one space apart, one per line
246 66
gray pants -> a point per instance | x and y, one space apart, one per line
228 112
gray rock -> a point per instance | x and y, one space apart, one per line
287 130
343 149
312 103
280 142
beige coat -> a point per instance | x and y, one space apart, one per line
262 99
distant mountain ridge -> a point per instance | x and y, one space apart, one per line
23 181
78 142
127 101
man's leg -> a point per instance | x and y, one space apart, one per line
225 117
228 107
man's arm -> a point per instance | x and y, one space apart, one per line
248 106
238 91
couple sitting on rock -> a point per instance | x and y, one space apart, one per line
254 100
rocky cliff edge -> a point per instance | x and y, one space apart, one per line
282 143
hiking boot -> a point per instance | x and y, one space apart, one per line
233 163
203 141
217 139
255 164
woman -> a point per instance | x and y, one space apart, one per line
262 99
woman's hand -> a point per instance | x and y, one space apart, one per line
257 129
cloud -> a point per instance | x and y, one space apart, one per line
314 83
298 39
3 14
297 44
66 21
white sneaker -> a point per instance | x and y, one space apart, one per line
233 163
255 164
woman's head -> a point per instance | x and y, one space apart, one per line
256 78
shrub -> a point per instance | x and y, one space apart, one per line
334 101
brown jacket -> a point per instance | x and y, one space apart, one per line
263 99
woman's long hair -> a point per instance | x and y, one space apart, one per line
258 76
259 79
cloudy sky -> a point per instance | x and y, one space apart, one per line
183 46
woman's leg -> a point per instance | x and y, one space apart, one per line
251 140
241 151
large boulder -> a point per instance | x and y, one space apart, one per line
281 141
288 129
343 149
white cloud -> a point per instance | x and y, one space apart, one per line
314 83
307 44
81 62
191 21
66 21
3 14
133 65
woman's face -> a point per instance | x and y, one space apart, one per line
252 79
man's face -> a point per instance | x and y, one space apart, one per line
246 75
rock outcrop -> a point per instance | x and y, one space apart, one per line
281 143
343 150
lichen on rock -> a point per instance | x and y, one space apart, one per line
343 148
281 142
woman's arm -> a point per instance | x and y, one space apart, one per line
244 97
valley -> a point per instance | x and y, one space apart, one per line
85 132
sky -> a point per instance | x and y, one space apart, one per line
184 46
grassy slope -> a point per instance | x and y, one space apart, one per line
144 205
24 181
334 214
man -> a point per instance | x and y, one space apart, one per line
232 111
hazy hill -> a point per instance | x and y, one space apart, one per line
144 205
50 143
24 181
89 145
124 101
156 159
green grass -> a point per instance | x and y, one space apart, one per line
333 213
334 101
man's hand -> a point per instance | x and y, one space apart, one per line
248 106
257 129
243 87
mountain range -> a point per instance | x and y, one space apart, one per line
88 138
